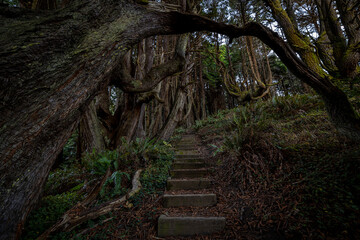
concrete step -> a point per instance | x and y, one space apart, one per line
186 144
189 200
188 141
188 160
187 137
186 147
187 165
188 156
186 153
188 184
187 226
188 173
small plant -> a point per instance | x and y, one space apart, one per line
154 177
52 207
116 180
217 149
98 163
179 130
199 124
69 150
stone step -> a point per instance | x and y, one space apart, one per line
186 147
187 141
189 173
187 226
188 160
189 200
182 156
186 144
187 165
188 184
187 152
187 137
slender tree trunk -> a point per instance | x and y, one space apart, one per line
90 132
174 117
202 90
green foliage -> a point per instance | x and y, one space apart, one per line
69 150
140 146
135 153
115 179
219 120
52 207
63 179
263 116
351 88
115 94
287 146
11 3
179 130
286 82
155 176
217 149
142 2
330 192
98 163
70 180
210 69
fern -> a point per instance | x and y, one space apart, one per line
116 179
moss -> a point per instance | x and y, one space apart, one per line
142 2
52 207
95 41
137 83
29 45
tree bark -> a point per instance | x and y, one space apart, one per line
90 132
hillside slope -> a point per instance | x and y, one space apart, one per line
284 171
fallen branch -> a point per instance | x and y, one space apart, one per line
73 217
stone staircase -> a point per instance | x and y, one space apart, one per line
188 173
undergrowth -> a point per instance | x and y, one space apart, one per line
302 176
73 180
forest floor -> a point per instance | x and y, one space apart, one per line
280 171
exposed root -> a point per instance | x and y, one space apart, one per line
77 215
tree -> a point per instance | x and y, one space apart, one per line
332 57
52 64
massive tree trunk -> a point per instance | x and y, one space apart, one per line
52 64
